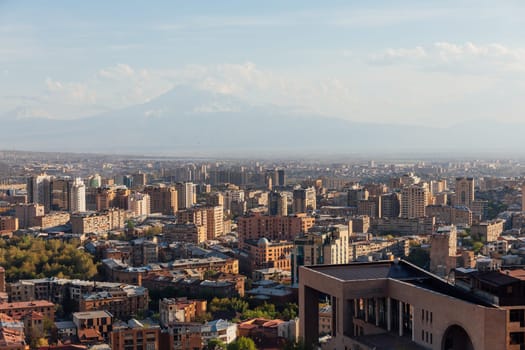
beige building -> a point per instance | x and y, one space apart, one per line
488 231
52 219
27 212
414 199
190 233
94 222
327 246
163 199
8 223
139 204
173 310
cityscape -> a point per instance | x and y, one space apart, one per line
129 252
232 175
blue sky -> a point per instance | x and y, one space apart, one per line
417 62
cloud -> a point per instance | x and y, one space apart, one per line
458 58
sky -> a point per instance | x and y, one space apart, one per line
433 63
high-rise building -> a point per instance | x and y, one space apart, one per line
61 193
163 199
414 199
464 192
357 194
329 246
281 178
139 204
390 205
139 180
39 190
277 204
77 201
186 194
304 199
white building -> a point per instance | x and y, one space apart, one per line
139 204
78 196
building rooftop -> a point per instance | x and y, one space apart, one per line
91 314
398 270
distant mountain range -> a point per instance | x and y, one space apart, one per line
186 121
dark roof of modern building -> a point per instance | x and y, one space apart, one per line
371 270
400 270
495 278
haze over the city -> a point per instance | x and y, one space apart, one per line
305 71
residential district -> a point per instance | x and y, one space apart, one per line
118 252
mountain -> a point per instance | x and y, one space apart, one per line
186 121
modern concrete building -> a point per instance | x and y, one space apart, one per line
163 199
186 194
414 199
277 204
304 199
396 305
326 246
139 204
77 202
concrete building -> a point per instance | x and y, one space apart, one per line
390 205
190 233
262 254
163 199
49 220
120 302
135 335
390 305
276 228
77 201
186 194
139 204
27 212
277 204
98 222
304 200
488 231
327 246
414 199
39 190
443 250
357 194
173 310
464 191
8 223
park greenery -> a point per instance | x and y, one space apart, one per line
239 309
28 257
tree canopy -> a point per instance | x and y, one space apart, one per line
28 257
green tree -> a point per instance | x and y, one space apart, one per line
216 344
242 343
476 246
